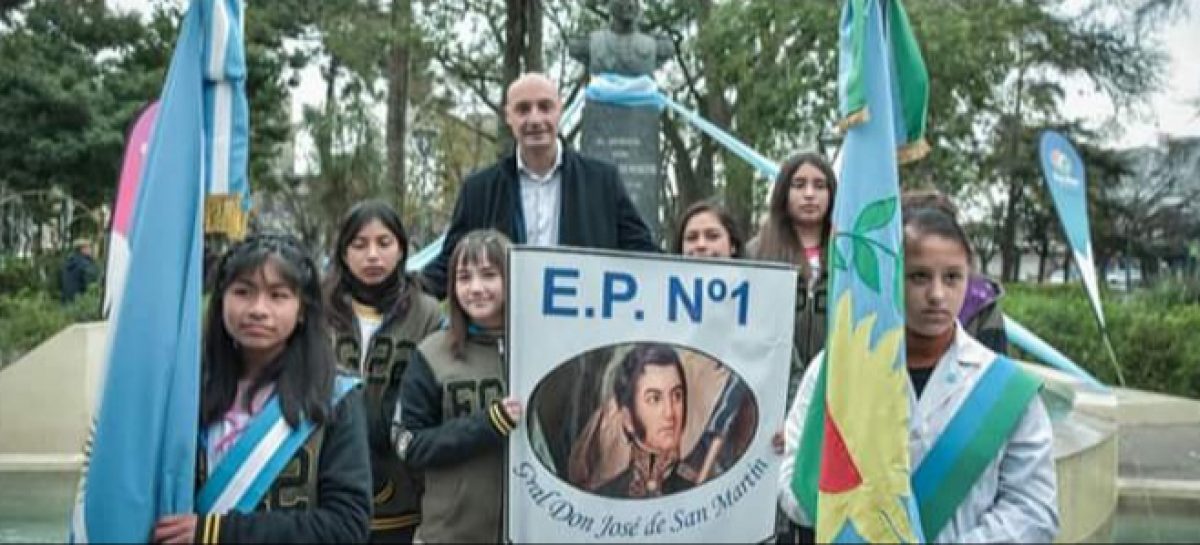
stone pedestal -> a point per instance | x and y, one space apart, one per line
628 137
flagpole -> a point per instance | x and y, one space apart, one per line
1112 355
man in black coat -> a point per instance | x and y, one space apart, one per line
544 194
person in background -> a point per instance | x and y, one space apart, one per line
377 316
543 194
706 229
981 315
796 231
546 194
78 270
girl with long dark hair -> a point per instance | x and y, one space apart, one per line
378 315
282 447
455 416
796 231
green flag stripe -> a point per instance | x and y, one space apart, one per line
911 76
939 503
806 472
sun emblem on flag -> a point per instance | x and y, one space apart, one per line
864 481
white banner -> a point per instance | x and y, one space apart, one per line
653 386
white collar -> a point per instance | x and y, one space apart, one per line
969 350
558 153
964 351
964 358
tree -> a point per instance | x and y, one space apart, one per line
61 140
763 71
481 46
1041 48
399 66
72 77
1148 202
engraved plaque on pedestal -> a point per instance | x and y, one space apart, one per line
628 137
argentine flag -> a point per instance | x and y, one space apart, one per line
141 454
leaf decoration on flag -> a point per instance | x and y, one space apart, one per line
839 262
866 265
875 216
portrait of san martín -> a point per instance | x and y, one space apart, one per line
641 420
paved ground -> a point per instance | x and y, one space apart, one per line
1159 468
1159 437
1168 451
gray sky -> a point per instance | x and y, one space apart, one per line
1173 110
1170 110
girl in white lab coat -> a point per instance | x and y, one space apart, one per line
1013 498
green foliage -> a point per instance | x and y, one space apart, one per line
30 317
73 75
39 273
1153 332
764 71
63 126
350 158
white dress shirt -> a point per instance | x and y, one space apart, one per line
541 198
1015 499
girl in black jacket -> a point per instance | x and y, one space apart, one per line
270 393
378 315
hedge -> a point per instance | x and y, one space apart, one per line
1155 332
28 317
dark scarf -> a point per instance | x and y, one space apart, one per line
382 296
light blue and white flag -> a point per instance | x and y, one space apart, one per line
141 455
226 118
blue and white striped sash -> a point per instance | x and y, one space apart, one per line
246 472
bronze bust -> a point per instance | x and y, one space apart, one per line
622 48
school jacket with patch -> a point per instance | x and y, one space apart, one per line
323 494
808 336
396 489
453 429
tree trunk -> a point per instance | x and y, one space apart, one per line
514 49
533 37
691 187
324 137
1043 255
1010 255
705 169
739 195
398 91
